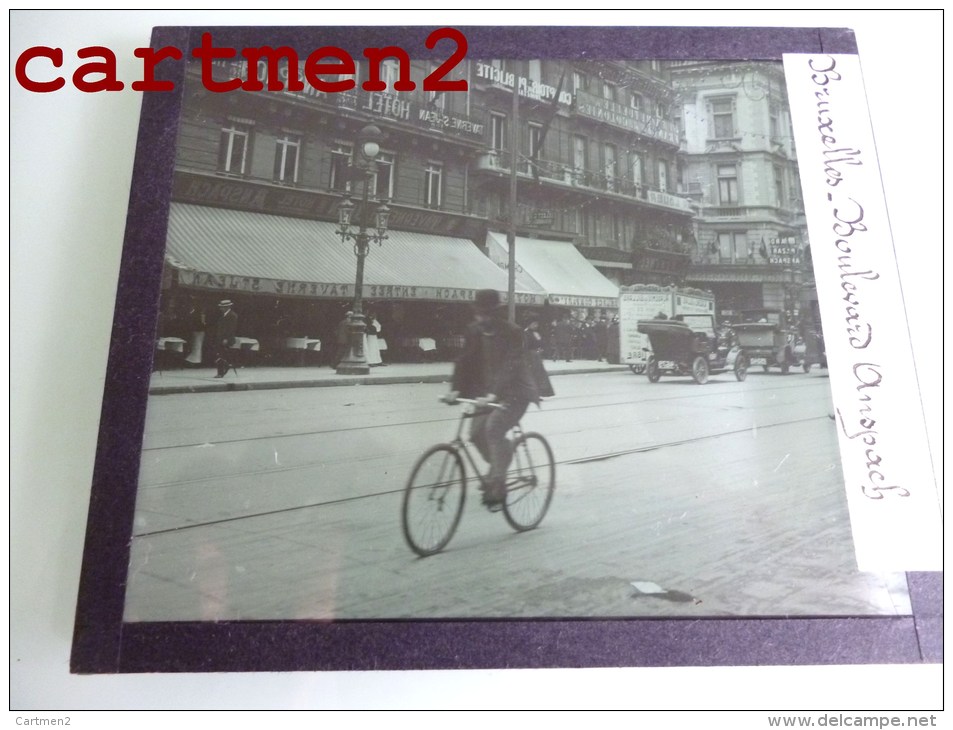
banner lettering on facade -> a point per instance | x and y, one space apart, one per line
329 290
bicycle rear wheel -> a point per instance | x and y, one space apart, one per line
433 500
530 482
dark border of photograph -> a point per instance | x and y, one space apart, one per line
103 643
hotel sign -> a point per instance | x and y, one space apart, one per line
626 117
394 107
530 88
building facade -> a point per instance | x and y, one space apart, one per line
738 165
600 173
259 177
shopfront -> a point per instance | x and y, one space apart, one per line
557 268
293 279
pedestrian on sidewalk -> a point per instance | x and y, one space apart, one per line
371 342
564 336
225 328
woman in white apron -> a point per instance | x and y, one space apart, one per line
371 343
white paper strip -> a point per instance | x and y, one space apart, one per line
891 491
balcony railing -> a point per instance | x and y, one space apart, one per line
560 173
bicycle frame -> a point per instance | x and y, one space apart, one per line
432 507
459 441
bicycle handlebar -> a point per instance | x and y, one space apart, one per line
472 402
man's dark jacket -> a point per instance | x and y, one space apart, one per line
493 361
225 329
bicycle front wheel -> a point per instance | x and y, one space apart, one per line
530 482
433 500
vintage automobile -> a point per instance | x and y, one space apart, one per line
689 345
768 339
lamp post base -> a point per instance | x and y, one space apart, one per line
355 361
353 368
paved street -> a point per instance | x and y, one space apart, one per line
672 499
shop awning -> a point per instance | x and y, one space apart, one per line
558 268
240 251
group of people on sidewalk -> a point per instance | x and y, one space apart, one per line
580 339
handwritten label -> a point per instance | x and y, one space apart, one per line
878 418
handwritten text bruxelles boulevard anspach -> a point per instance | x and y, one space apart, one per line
849 231
328 69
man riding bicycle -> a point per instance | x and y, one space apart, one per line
493 368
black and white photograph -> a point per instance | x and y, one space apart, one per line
657 435
457 347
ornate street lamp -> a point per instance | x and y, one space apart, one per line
363 167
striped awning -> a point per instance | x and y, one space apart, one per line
557 268
240 251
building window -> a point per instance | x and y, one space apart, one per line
340 161
778 186
390 74
608 91
535 138
382 181
727 185
733 247
663 176
579 81
609 165
433 184
534 70
287 152
233 152
497 131
437 99
579 161
582 222
635 101
774 113
636 164
722 114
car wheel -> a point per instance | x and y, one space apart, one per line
652 371
741 368
700 370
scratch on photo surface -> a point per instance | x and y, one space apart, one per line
781 462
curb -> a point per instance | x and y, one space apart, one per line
337 382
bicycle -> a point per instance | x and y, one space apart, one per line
436 489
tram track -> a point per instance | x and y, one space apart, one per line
552 406
374 495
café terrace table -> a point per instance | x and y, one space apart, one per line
169 350
301 346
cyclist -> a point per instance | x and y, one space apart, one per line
493 368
